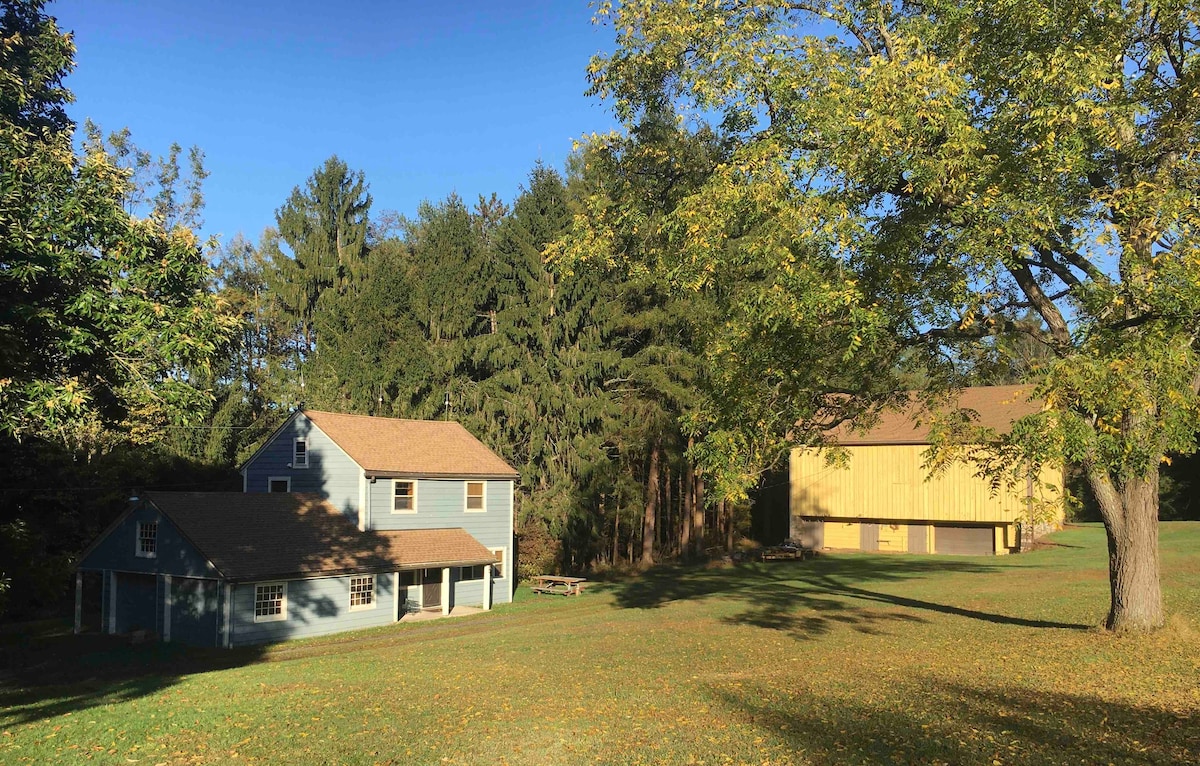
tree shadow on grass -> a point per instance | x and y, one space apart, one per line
49 672
806 599
956 723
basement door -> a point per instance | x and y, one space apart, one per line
431 588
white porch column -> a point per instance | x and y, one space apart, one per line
78 602
112 601
487 586
446 591
166 628
398 599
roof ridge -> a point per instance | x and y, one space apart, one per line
382 417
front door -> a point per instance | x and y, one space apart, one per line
431 588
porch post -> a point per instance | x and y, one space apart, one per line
112 601
396 600
166 628
446 591
487 586
227 639
78 602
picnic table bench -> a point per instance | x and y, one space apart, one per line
561 586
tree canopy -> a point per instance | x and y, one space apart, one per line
915 177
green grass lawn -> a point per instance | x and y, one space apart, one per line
846 659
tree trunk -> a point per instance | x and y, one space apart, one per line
1131 522
686 491
648 521
698 516
616 535
727 515
668 525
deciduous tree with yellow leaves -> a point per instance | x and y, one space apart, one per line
909 177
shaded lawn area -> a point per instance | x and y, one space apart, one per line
845 659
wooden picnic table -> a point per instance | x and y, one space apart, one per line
558 585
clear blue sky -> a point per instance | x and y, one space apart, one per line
425 97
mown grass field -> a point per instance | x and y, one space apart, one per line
847 659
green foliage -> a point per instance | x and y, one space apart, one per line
324 228
103 316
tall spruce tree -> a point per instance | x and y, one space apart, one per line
324 228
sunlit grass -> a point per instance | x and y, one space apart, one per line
845 659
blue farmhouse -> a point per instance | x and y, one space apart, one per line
346 522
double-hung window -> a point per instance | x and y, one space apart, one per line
147 539
475 494
404 496
270 602
498 567
300 452
362 592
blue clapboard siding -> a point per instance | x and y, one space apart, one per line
314 608
441 504
195 607
330 473
175 556
137 603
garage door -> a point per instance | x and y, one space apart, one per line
918 538
839 534
971 541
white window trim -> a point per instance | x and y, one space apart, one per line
350 594
503 563
413 482
137 541
295 461
282 616
273 479
467 497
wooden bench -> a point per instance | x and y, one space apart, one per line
558 586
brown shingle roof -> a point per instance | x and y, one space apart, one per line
993 407
419 448
252 536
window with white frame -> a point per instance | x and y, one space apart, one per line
147 539
279 484
270 601
498 567
300 452
404 496
362 592
475 491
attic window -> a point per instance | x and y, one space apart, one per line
147 539
300 453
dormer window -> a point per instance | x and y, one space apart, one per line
300 453
147 539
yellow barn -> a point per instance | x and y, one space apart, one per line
885 500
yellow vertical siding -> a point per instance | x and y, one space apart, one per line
893 537
840 534
889 482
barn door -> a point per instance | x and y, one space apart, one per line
869 537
